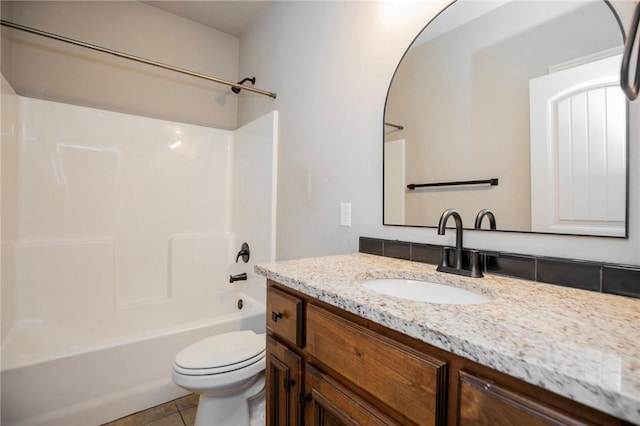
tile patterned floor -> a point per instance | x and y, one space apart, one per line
179 412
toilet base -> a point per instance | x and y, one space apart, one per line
228 410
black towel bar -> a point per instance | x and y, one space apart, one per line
492 182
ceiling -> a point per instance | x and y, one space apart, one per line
229 16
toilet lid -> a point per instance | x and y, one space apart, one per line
223 352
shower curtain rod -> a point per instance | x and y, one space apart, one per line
135 58
397 126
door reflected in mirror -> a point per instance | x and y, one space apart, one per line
526 92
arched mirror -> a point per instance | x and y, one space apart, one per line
522 96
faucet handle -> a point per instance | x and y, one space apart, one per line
244 253
444 260
474 264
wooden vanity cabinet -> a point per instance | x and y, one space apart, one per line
325 370
326 366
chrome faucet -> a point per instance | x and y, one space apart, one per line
473 269
442 226
481 215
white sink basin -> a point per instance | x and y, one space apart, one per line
424 291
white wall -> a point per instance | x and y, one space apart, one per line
331 64
52 70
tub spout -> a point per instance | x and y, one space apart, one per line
238 277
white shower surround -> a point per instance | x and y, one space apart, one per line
127 229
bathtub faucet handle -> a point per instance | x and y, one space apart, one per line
238 277
244 253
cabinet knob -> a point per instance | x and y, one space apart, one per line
275 316
304 398
288 383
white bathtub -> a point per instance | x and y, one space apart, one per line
96 383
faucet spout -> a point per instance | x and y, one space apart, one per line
481 215
442 226
474 269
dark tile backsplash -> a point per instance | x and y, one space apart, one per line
371 246
397 249
569 273
511 265
426 253
594 276
624 281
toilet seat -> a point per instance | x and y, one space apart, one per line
222 353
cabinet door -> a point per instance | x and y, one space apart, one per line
483 402
330 404
409 382
284 384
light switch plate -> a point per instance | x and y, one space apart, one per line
345 214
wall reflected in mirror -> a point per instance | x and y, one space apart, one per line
523 91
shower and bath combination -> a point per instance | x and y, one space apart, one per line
139 307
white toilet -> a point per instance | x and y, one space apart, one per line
227 371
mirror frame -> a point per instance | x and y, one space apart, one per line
627 143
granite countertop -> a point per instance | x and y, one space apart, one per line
579 344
